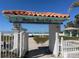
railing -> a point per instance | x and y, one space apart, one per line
69 47
73 54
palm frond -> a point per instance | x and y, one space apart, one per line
74 5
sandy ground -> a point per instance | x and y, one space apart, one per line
38 50
33 45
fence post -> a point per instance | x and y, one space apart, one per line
62 46
70 34
77 35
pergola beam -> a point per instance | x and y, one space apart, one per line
34 19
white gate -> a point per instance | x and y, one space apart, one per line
6 45
13 44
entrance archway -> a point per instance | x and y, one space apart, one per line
54 20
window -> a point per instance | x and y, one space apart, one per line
74 32
67 32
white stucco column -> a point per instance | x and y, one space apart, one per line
15 46
53 28
16 32
23 42
56 47
0 44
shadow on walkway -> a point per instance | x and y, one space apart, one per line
36 53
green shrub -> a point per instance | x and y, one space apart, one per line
40 39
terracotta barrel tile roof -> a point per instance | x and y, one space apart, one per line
30 13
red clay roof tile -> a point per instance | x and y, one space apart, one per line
30 13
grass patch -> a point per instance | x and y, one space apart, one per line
40 39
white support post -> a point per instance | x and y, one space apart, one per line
63 33
0 44
56 47
53 28
23 43
15 46
17 29
70 34
26 42
21 40
77 35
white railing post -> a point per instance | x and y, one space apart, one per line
0 44
77 35
75 49
62 46
70 34
63 33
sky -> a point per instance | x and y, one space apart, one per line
58 6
